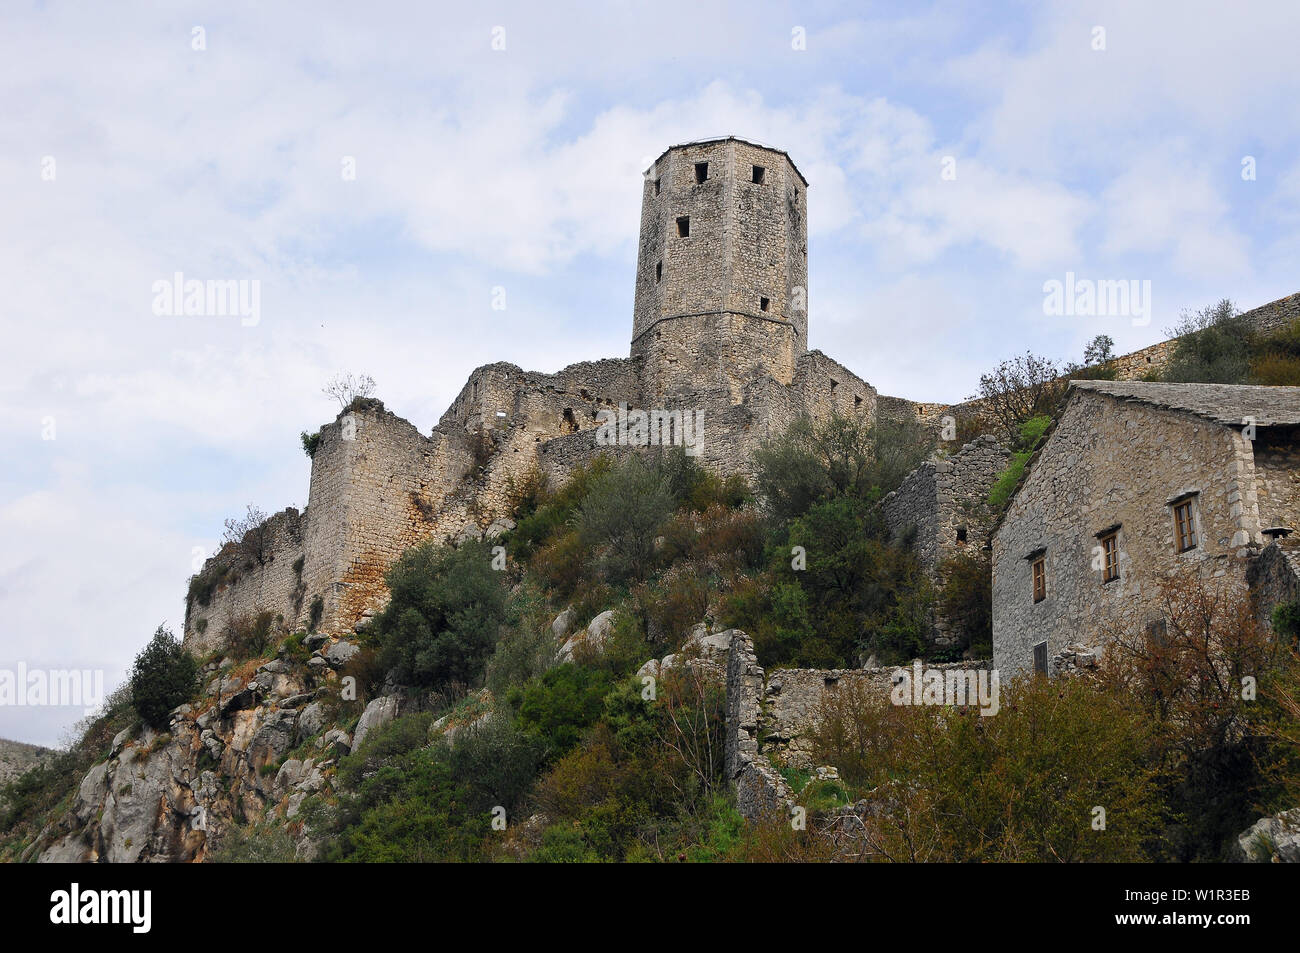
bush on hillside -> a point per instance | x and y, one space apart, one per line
621 515
164 676
446 611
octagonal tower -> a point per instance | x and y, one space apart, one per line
722 268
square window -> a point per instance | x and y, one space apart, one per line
701 172
1184 526
684 227
1040 578
763 304
759 173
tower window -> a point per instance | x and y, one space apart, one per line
657 181
659 271
759 172
701 172
1110 556
857 400
961 534
1039 570
763 304
1040 658
684 227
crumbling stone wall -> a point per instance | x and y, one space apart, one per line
769 717
794 699
945 502
272 585
760 789
1277 469
1274 578
1115 463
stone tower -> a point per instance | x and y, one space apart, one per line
722 268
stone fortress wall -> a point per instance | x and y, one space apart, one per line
719 329
702 342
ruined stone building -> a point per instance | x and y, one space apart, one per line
719 339
719 330
1135 482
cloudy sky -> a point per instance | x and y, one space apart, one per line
142 139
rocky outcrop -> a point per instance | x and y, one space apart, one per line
1275 839
590 639
223 761
377 714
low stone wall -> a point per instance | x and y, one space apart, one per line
1274 578
794 698
769 717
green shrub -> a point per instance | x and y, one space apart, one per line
1019 786
1286 619
1008 480
1214 346
443 619
560 705
164 676
260 844
250 636
310 442
966 601
622 514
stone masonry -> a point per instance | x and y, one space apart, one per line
720 329
1121 457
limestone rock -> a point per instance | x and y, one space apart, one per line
378 713
340 653
563 624
311 720
1275 839
336 740
592 637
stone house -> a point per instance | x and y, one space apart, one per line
1135 482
